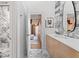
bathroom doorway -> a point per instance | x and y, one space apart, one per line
35 38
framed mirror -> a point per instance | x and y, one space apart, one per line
68 17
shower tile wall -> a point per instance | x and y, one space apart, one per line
4 31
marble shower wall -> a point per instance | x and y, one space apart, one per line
4 31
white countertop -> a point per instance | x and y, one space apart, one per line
71 42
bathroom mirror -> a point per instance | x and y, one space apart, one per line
68 17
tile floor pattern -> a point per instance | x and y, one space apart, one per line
37 53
